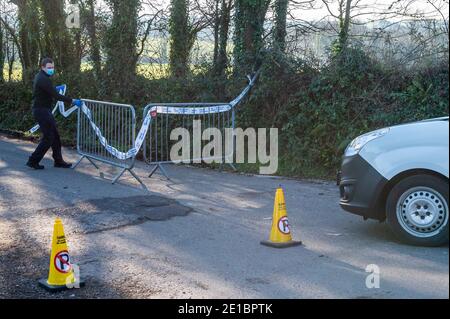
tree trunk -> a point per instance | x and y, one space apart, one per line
94 43
2 56
249 22
120 48
344 26
217 17
180 38
279 40
28 38
78 51
222 59
11 59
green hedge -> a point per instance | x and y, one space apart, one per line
318 111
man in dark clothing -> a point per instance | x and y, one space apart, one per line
44 96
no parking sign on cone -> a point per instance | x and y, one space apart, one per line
280 235
61 274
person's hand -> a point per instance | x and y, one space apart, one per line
77 102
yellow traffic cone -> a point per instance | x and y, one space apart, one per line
61 275
280 235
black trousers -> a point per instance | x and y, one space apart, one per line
50 136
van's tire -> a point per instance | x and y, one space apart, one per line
417 210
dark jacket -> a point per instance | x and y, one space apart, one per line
44 93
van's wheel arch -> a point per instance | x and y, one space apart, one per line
417 210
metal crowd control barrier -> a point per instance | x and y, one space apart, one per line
117 123
167 116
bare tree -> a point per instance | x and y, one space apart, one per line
25 36
365 20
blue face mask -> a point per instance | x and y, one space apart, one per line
50 72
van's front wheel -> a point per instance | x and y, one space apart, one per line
417 210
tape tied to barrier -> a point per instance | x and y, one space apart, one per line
152 113
189 110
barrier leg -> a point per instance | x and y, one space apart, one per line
78 162
137 178
162 170
115 179
153 171
92 162
81 158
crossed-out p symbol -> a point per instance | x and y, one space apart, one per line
283 225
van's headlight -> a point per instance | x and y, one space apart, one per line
358 143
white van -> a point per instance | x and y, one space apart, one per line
401 174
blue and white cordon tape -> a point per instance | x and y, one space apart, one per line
147 120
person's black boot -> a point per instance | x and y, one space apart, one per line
62 164
34 165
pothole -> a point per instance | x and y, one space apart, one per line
252 194
97 215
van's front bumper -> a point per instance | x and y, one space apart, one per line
361 188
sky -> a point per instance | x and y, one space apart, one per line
318 10
368 6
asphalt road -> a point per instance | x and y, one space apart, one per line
196 236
